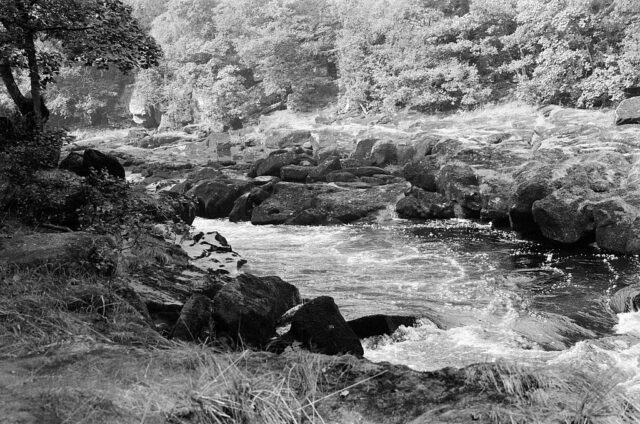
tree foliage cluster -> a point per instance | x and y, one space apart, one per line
229 60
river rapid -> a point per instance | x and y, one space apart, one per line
483 294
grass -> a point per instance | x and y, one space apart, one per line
554 395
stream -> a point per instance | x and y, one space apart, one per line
483 294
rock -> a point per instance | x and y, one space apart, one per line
384 153
144 112
74 162
320 172
458 182
378 325
362 154
564 216
101 161
273 164
320 327
216 197
244 205
180 206
422 174
628 111
247 309
61 251
295 173
366 171
314 204
195 319
158 140
532 182
495 196
626 300
282 139
420 204
340 177
617 226
211 252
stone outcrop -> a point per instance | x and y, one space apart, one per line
216 197
378 325
420 204
94 160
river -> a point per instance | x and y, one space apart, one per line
484 294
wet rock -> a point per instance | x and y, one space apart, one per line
320 327
362 154
422 174
211 252
495 195
273 164
458 182
195 319
532 182
247 309
62 251
94 159
243 206
329 203
384 153
617 226
421 204
626 300
378 325
628 112
216 197
295 173
565 216
326 166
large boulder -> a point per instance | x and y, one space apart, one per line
216 197
628 111
326 166
379 325
422 174
617 226
274 163
195 319
317 204
495 196
244 205
458 182
532 182
94 159
362 154
247 309
565 215
320 327
420 204
61 251
295 173
384 153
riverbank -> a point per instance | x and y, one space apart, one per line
361 169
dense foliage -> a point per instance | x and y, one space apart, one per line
228 61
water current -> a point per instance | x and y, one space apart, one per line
483 294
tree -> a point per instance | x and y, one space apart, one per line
39 36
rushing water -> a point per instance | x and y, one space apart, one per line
484 294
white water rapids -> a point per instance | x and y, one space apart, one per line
484 294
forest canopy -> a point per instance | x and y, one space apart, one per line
230 60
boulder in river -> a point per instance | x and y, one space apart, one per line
626 299
420 204
565 216
378 325
216 197
320 327
320 172
422 174
247 309
274 163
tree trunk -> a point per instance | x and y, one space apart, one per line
34 78
23 104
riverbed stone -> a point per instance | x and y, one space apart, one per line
532 183
627 299
422 174
379 324
565 216
274 163
320 327
195 319
216 197
421 204
320 172
247 309
295 173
